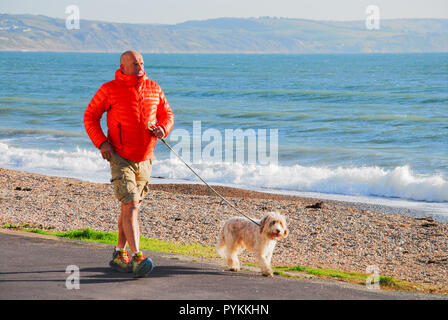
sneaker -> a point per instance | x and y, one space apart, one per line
120 261
141 265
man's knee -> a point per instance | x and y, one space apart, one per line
129 211
130 206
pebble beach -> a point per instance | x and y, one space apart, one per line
323 234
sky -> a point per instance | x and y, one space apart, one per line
176 11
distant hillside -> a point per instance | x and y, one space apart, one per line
224 35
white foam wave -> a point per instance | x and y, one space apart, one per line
400 182
82 164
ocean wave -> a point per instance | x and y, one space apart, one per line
386 118
6 132
31 101
81 164
400 182
308 94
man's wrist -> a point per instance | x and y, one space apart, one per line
162 130
102 144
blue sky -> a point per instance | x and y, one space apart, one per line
175 11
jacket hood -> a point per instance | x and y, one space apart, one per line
130 80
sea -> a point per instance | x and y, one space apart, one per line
370 128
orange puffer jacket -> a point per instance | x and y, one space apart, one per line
130 102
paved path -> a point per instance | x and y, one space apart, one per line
34 267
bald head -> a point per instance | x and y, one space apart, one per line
131 63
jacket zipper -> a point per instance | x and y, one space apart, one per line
119 130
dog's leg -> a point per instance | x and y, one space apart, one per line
232 259
264 255
221 248
270 251
266 269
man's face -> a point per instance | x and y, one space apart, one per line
132 64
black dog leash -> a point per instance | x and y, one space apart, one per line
151 127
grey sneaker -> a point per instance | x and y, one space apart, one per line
141 265
120 261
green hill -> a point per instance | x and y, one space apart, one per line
224 35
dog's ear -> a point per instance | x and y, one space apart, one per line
263 223
286 230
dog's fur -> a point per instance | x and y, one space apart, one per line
240 233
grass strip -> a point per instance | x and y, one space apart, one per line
385 282
91 235
199 250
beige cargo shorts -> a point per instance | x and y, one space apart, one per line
130 179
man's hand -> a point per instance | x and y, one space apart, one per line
106 150
158 132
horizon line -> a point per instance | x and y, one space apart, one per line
224 17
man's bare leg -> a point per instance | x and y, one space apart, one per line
122 241
128 228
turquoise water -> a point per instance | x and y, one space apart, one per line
372 125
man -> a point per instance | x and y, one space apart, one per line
131 102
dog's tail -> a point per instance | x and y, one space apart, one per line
221 246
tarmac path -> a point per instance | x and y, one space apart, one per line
33 267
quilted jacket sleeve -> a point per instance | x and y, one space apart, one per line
165 116
92 116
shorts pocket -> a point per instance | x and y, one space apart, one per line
124 189
143 189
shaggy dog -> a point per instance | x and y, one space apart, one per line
240 233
